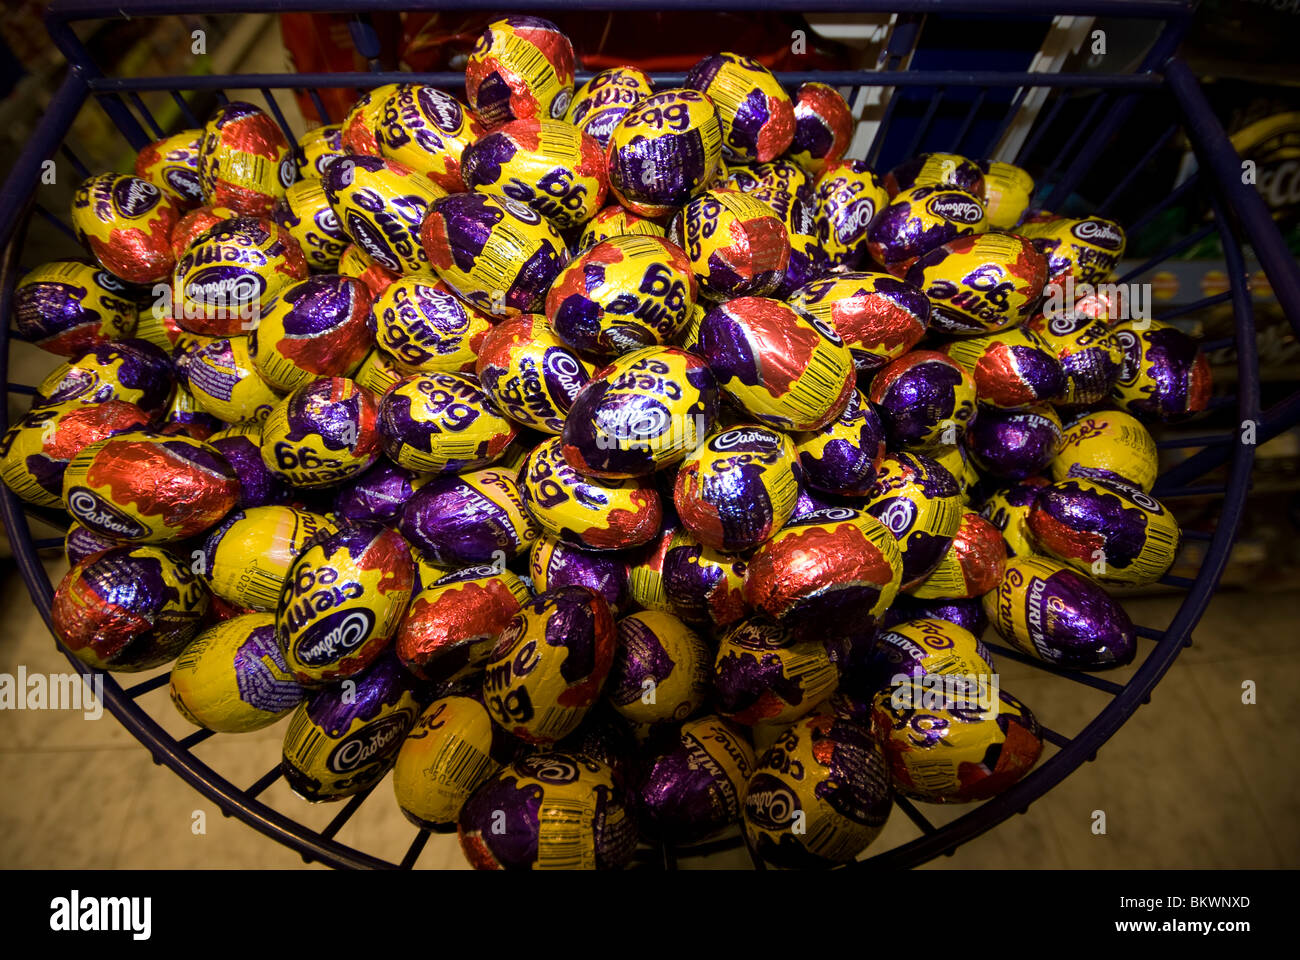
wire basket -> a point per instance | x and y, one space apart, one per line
963 111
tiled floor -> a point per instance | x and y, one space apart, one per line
1195 779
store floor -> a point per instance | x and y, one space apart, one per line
1195 779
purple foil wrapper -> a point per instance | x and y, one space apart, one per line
966 613
841 457
378 495
91 378
1012 444
559 564
455 524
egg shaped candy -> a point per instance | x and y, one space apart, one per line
1107 445
246 558
1007 192
562 811
643 412
451 750
338 745
980 284
427 131
244 160
736 244
359 129
317 149
936 170
926 399
1164 375
423 326
954 748
829 574
1014 444
1012 368
145 487
355 262
550 664
468 519
131 371
971 566
224 382
1058 615
841 457
920 220
553 564
691 792
584 511
530 373
784 370
614 221
1090 353
496 253
381 205
322 434
306 215
922 647
549 165
342 601
442 422
1084 250
313 329
67 307
1114 532
36 451
127 224
823 127
878 317
605 99
453 622
377 495
849 195
660 671
666 150
920 504
761 674
755 114
172 165
819 796
228 277
232 678
128 609
738 487
621 295
520 68
1008 510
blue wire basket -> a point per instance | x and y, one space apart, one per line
986 101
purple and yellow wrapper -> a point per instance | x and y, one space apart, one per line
425 328
849 196
1014 444
823 127
605 99
460 520
342 602
442 423
453 622
738 488
427 130
144 487
666 150
1164 375
306 215
224 382
755 115
244 160
645 411
1086 250
68 307
1058 615
127 224
703 585
128 609
232 677
819 796
1107 445
919 220
920 503
614 221
172 165
737 245
313 329
926 400
521 68
550 664
980 284
692 790
762 675
553 563
878 317
584 511
381 206
1090 354
1012 368
660 671
1008 511
322 434
531 374
972 565
451 750
841 458
247 557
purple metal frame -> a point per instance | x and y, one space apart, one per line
1160 75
